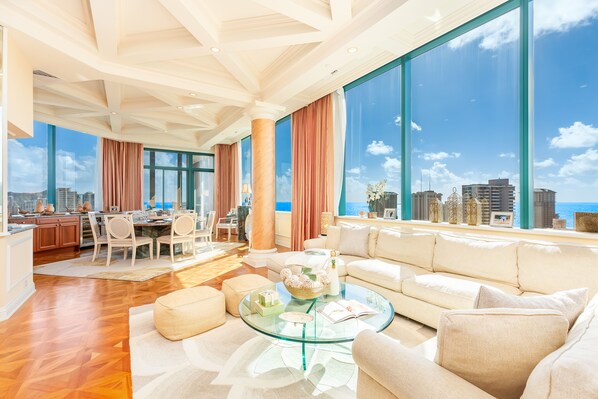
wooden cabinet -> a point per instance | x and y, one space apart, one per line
53 232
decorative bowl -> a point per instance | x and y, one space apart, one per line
305 293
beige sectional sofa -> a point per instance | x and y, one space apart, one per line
424 273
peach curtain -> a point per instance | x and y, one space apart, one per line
226 178
122 174
313 169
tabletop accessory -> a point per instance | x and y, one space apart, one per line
304 282
296 317
342 310
332 273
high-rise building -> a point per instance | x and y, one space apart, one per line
544 207
420 204
65 198
89 196
499 194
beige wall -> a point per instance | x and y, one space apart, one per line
16 271
19 104
283 229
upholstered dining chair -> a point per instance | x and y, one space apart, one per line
228 223
182 231
98 238
206 233
121 234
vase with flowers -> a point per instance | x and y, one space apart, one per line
375 194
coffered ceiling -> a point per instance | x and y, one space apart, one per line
183 73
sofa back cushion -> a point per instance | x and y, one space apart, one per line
547 268
333 238
570 371
355 241
413 248
497 349
488 259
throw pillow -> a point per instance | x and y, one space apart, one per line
354 241
497 349
571 303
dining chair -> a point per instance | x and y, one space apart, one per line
248 228
98 238
121 234
206 233
182 231
228 223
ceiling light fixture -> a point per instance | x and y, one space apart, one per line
192 94
180 107
352 50
114 113
215 49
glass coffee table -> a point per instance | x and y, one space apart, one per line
319 331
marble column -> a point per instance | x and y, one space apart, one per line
263 204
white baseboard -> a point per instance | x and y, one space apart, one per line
10 308
283 241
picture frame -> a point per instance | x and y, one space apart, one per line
501 219
390 213
114 208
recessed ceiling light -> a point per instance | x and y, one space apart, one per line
215 49
192 94
352 50
113 113
180 107
165 131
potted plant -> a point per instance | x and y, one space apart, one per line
375 193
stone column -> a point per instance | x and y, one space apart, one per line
263 204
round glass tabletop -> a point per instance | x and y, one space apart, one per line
319 330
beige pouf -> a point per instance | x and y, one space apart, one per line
236 288
188 312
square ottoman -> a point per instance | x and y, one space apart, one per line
236 288
188 312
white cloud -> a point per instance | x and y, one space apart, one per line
414 126
586 163
25 168
378 148
577 135
507 155
283 187
356 170
391 165
355 189
438 156
545 163
549 16
440 174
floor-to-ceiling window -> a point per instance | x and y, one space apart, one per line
283 165
566 110
465 120
76 174
246 170
57 166
178 179
373 140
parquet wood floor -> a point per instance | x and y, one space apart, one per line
71 339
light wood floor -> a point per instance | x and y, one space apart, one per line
71 339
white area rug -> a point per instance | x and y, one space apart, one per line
144 269
235 362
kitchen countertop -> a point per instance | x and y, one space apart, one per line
14 228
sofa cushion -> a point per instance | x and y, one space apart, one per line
412 248
488 259
281 260
333 237
449 290
570 303
374 232
384 274
355 241
570 371
548 268
497 349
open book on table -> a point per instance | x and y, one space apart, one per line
344 309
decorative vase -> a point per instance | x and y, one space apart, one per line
39 207
86 206
334 286
50 208
473 214
454 207
361 214
372 215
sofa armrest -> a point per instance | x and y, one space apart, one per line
404 373
319 242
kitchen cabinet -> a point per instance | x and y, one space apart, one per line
53 232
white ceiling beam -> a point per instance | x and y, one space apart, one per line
78 94
44 97
114 100
208 140
207 118
314 14
106 23
161 126
341 11
73 113
197 20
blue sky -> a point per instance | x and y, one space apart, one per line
465 109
